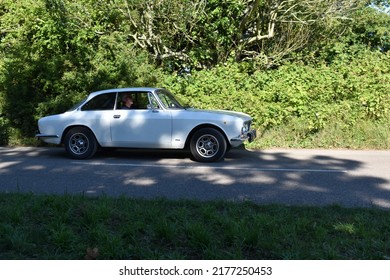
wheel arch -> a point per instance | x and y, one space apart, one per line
205 125
73 126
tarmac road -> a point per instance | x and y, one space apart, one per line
283 176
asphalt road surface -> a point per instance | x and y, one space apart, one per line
289 177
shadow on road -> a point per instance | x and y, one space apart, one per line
290 177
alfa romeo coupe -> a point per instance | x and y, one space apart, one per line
155 120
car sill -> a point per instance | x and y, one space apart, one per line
46 136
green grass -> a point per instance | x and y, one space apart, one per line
365 134
77 227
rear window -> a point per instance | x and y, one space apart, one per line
100 102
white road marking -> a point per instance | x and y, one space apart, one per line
212 167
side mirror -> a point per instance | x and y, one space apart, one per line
152 107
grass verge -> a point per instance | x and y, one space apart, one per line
365 134
77 227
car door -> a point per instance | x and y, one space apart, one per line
141 127
96 115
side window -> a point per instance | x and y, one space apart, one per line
139 100
100 102
142 100
123 99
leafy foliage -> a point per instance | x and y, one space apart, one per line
235 55
50 58
352 88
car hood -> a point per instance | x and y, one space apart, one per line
222 112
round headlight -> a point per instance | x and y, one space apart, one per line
245 128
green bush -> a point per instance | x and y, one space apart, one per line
53 53
306 99
350 90
4 131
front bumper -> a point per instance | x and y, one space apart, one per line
247 136
252 134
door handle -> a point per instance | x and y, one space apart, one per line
117 116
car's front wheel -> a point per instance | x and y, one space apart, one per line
208 145
80 143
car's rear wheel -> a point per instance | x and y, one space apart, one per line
80 143
208 145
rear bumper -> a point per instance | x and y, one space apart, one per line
49 138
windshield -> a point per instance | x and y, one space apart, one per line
168 100
74 107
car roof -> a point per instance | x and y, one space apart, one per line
151 89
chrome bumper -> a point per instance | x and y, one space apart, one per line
249 135
252 134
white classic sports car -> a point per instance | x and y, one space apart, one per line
155 120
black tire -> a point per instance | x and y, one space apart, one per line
80 143
208 145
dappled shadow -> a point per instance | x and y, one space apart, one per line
141 154
289 177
